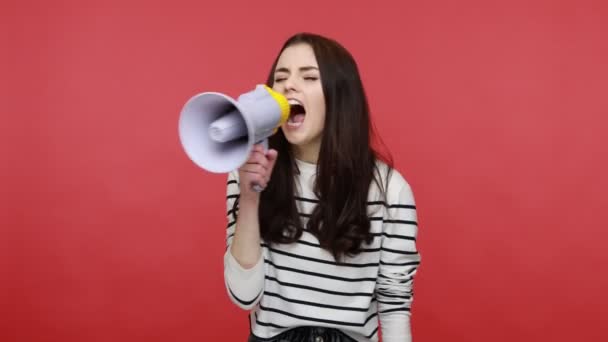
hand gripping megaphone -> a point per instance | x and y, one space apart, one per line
218 132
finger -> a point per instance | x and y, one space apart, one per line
258 148
272 156
258 158
253 168
259 180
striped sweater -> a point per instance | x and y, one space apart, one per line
301 284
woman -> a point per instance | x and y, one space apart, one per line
327 251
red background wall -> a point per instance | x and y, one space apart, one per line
496 112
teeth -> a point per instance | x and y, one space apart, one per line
294 102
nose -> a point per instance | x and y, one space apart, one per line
290 85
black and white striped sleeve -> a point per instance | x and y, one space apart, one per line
399 261
244 286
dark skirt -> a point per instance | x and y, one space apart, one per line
306 334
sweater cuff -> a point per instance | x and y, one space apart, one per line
245 284
396 329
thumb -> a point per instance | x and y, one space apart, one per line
272 158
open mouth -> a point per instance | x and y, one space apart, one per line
296 114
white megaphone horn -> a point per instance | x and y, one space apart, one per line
218 132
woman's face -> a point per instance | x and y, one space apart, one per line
297 77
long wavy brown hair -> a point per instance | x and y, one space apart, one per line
346 164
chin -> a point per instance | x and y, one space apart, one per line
294 140
292 137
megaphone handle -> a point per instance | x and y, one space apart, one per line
264 143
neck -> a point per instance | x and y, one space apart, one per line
308 153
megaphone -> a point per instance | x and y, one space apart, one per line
218 132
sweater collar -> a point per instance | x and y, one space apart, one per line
306 167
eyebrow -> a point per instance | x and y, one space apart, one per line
302 69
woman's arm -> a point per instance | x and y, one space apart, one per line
243 260
399 261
